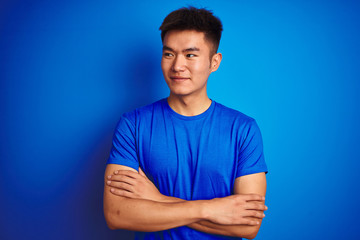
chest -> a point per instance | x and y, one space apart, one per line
175 149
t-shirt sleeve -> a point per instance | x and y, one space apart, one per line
251 156
123 151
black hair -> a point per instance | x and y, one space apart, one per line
191 18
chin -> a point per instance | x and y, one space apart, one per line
180 91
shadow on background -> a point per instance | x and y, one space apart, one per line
139 82
65 81
138 87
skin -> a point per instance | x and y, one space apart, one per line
132 202
128 183
186 65
237 215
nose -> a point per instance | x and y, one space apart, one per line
178 64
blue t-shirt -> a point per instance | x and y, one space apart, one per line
191 158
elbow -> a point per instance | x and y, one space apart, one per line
114 221
251 234
246 233
111 221
111 227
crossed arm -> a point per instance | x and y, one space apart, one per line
132 202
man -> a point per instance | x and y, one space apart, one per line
205 160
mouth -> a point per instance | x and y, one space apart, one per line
179 79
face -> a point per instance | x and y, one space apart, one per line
186 62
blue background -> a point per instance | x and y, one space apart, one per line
69 69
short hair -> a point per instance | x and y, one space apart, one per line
191 18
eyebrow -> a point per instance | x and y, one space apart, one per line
191 49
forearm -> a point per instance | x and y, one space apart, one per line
149 216
146 215
134 203
244 231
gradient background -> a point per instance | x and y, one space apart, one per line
69 69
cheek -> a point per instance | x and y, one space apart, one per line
165 65
201 68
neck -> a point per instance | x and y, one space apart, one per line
189 105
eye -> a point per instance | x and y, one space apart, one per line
167 54
190 55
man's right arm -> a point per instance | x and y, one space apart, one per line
145 215
148 216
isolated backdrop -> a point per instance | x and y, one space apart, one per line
70 68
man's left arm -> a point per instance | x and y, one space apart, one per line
248 184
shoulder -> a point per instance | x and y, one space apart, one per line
143 112
231 114
238 123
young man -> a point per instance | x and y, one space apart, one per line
205 160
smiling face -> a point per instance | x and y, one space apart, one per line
186 62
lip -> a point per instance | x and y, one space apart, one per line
179 79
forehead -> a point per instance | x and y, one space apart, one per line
184 39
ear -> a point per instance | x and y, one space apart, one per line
215 61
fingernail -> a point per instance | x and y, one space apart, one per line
266 208
109 177
108 182
112 190
116 172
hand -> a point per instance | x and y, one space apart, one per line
131 184
237 209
